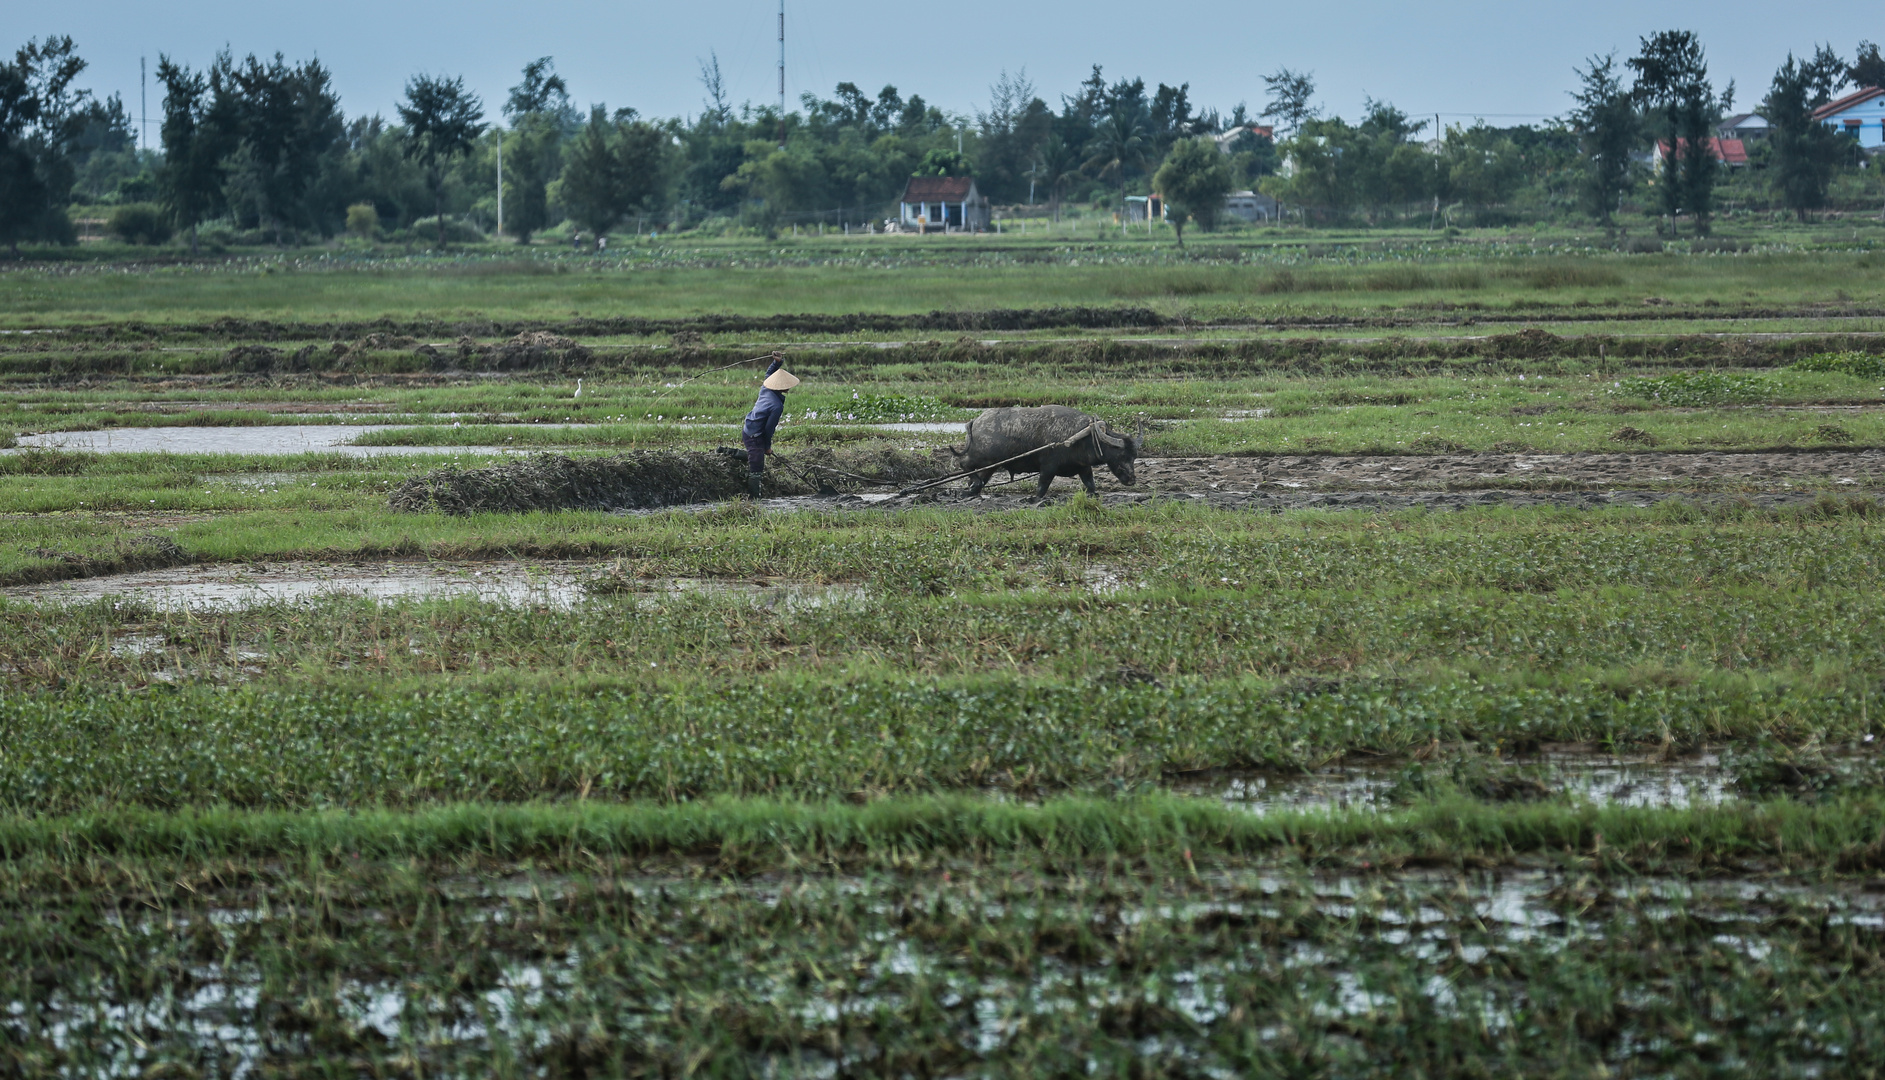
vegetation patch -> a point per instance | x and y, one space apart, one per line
1699 388
1864 365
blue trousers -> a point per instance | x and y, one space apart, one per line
755 453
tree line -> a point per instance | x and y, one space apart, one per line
262 145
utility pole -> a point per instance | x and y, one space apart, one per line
782 74
143 109
500 184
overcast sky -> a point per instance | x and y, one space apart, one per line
1508 62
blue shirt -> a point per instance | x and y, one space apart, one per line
767 411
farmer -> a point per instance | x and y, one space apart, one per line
764 420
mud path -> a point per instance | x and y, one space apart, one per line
1448 481
1707 471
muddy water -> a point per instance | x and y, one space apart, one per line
1605 779
317 439
271 439
227 587
948 428
553 584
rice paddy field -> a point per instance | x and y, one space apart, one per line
1482 676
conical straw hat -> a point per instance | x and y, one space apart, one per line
781 380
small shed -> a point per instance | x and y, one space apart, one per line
1138 207
1249 206
1860 114
943 204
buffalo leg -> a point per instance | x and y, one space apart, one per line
977 481
1045 481
1086 477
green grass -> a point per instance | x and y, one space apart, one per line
976 654
756 835
787 737
892 277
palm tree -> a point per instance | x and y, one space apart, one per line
1119 146
1058 164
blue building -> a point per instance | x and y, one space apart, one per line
1860 114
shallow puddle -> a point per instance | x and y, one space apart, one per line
231 586
323 439
553 584
1613 781
270 439
956 428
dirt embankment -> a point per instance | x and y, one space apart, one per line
650 479
249 331
380 356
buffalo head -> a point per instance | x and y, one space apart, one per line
1119 452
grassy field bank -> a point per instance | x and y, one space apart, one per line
911 279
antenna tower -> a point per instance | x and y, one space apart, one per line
781 74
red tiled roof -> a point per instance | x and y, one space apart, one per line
1726 151
1839 105
938 188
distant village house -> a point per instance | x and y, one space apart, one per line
1747 126
943 204
1732 153
1860 114
1226 140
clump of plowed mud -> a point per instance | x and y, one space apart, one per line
648 479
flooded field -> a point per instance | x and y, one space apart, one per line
1169 975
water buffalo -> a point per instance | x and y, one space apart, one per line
999 434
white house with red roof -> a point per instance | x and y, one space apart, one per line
1860 114
943 204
